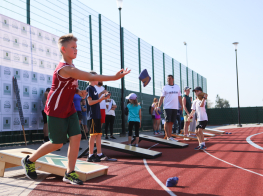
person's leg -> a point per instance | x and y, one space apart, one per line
73 150
179 124
158 124
111 125
186 126
170 125
91 144
98 144
107 122
86 129
137 127
130 131
200 132
166 128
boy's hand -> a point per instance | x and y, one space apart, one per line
122 73
83 93
106 96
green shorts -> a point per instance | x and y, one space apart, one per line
60 129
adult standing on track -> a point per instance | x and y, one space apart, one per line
170 96
187 110
153 107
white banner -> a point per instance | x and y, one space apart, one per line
31 55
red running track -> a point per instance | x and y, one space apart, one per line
198 172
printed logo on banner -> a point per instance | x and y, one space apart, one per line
34 122
48 53
6 38
5 22
23 29
6 122
16 57
7 55
34 77
7 106
54 41
41 63
24 44
41 78
7 89
34 92
34 62
25 59
34 48
15 106
7 72
25 91
47 37
48 65
25 107
33 32
25 75
41 92
16 123
41 122
26 122
16 42
49 79
34 107
15 26
39 35
17 74
40 48
54 66
55 54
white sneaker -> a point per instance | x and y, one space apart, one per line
172 139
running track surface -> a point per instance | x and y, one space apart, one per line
198 172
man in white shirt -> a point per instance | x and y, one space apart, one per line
170 96
101 91
199 107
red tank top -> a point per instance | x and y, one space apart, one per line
60 97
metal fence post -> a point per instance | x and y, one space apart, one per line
181 77
90 41
193 83
173 66
153 70
187 75
28 11
100 44
139 56
163 69
197 80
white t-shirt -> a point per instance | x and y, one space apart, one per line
170 94
99 90
110 112
153 106
200 111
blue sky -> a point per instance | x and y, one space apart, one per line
209 28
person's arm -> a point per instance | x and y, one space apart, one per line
73 72
102 92
184 106
92 102
113 107
140 114
180 101
203 101
83 109
152 108
46 94
160 102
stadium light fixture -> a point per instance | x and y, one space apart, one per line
119 4
235 44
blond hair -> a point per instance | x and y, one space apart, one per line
134 102
154 100
65 39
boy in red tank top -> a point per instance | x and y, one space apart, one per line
62 118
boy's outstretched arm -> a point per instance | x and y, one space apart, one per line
73 72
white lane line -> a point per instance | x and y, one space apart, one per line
155 178
252 143
233 164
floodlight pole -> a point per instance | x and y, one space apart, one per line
238 108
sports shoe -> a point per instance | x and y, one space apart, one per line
29 167
106 138
203 147
155 133
93 158
197 148
72 178
112 137
172 139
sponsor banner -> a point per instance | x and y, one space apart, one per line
16 123
6 122
26 77
26 92
26 106
49 80
15 107
34 107
6 106
19 89
6 73
34 92
7 89
40 122
1 126
34 77
6 39
33 122
27 121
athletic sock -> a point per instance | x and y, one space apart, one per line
203 143
90 155
99 154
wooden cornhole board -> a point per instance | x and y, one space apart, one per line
189 137
215 131
209 134
50 163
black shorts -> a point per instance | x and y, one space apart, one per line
201 124
79 115
95 127
170 115
153 117
44 117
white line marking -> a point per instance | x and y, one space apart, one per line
252 143
155 178
234 165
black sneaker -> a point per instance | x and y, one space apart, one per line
72 178
29 167
197 148
106 138
93 158
112 137
203 147
102 157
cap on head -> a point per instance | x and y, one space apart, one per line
131 96
198 88
187 88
